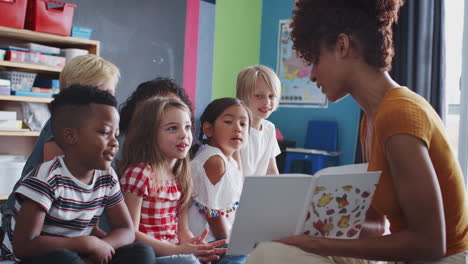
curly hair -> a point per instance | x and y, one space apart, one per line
157 87
71 106
367 22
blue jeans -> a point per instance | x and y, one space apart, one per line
230 259
140 253
177 259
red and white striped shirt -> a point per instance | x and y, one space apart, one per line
159 208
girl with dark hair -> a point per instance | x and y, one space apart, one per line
217 178
160 86
421 190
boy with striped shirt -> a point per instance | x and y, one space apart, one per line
59 203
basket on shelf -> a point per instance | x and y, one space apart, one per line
20 81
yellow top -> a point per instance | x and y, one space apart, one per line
405 112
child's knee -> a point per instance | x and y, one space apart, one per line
137 252
62 255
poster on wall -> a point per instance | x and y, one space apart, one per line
297 90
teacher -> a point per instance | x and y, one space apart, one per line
421 190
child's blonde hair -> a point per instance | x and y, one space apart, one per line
141 143
88 70
247 78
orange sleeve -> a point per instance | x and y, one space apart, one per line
402 117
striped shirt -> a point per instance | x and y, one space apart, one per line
72 207
160 203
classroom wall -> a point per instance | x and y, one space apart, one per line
145 39
292 121
205 56
236 42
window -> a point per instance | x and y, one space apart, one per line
453 26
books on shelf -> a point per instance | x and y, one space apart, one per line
39 48
32 94
7 115
10 124
15 130
332 203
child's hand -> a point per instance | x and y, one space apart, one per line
205 252
99 252
98 232
201 238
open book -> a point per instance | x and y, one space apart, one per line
332 203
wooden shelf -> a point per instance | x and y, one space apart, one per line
49 39
25 99
20 133
21 66
3 197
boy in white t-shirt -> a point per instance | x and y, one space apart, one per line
259 87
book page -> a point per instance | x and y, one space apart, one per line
345 169
338 201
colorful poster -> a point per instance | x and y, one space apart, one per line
297 89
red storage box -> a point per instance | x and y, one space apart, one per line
12 13
35 57
45 16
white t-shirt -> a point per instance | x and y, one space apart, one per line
261 147
219 200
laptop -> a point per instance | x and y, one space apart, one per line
270 207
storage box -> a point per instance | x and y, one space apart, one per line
71 53
34 47
10 173
12 13
81 32
7 115
44 90
19 80
35 58
43 16
2 54
47 83
5 87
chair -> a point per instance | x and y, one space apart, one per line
320 146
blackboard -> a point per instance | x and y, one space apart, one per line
145 39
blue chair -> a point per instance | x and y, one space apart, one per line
320 146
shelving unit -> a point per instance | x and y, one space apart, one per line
22 142
28 67
15 98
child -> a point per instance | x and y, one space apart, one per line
216 175
163 87
156 182
88 70
259 87
160 86
59 202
